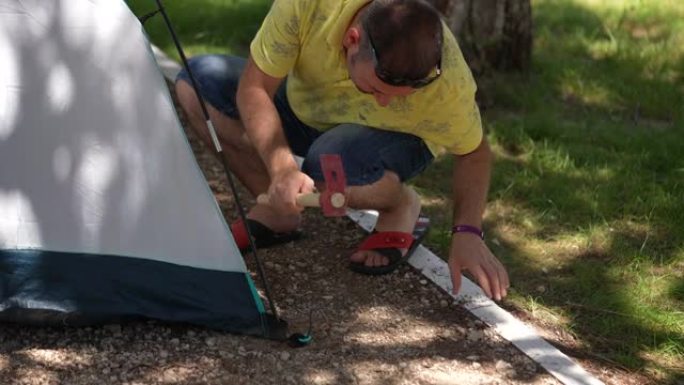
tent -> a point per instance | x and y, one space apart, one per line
104 212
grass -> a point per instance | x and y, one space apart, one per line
586 203
225 26
586 197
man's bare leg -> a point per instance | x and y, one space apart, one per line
398 206
243 159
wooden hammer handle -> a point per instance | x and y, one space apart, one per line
304 200
337 200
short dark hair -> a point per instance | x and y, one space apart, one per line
406 35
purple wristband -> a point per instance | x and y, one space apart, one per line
467 229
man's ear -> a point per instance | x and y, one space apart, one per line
352 37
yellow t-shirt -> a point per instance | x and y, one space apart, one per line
302 39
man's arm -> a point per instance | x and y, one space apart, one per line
468 251
264 129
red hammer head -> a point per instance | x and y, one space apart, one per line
333 201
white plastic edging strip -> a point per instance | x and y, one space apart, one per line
470 296
474 300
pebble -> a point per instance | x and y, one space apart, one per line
502 365
443 303
423 281
476 365
163 354
284 356
475 335
210 341
473 358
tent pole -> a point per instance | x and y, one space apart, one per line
222 156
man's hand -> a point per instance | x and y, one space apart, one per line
284 188
469 252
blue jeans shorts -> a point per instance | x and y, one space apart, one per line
366 152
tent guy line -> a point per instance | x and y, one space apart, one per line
470 297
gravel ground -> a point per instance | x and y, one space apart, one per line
395 329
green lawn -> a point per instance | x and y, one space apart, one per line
587 197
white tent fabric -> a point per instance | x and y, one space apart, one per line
92 157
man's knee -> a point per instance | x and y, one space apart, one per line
348 141
186 97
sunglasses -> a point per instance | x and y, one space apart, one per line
400 81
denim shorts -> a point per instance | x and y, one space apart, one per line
366 152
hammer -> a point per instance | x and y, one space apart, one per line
332 201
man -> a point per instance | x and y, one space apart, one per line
382 83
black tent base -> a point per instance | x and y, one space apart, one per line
73 289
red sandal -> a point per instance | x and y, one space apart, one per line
263 236
389 243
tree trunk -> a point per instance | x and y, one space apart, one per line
493 34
